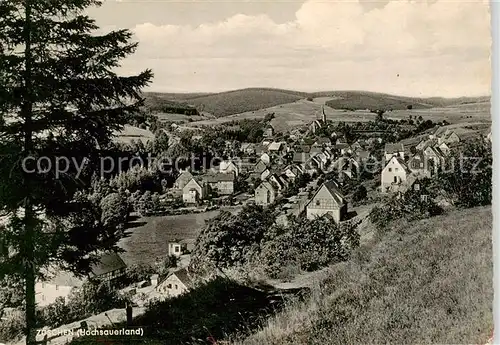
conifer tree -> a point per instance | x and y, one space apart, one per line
60 96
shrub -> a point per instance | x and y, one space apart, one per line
360 194
308 245
12 327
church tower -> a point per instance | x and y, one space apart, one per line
323 118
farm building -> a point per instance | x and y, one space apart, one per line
327 200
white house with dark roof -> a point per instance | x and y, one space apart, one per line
175 284
194 191
183 179
229 167
327 200
265 194
394 174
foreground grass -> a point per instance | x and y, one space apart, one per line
424 282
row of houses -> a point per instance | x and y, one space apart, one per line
403 167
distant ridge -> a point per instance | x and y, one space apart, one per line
251 99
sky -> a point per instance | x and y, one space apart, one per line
414 48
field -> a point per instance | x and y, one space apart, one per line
253 99
424 282
147 238
292 115
148 241
301 112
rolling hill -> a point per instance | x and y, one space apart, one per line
252 99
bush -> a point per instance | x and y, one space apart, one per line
308 245
411 205
360 194
12 327
231 240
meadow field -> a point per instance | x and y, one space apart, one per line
302 112
147 237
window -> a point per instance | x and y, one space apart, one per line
395 179
57 287
424 197
177 249
421 164
390 169
169 286
396 169
318 202
176 287
416 186
43 285
43 297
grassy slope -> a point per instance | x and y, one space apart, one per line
423 282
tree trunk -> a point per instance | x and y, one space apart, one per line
27 112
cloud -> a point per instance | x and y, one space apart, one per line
439 48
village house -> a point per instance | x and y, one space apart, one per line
60 283
265 174
435 155
293 171
194 191
175 249
260 149
109 269
343 148
259 167
278 181
327 200
223 184
265 194
175 284
265 158
277 147
392 150
418 165
182 179
394 174
301 157
247 148
445 148
229 167
268 131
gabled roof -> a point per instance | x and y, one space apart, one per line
303 148
333 190
108 262
259 167
266 185
184 276
322 141
301 157
56 276
394 148
363 154
400 161
275 146
218 177
185 174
